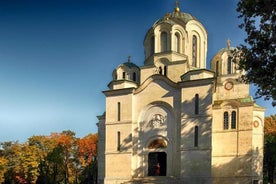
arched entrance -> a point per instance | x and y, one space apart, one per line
157 164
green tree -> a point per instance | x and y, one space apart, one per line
45 146
257 56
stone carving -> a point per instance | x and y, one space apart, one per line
156 70
157 121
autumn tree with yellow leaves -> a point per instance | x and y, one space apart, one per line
57 158
270 148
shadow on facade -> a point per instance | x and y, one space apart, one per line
239 168
191 159
196 139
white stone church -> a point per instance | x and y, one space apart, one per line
172 120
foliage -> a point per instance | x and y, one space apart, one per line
3 168
270 147
258 56
58 158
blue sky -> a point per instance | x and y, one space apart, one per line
57 56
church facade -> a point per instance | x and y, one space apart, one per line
174 121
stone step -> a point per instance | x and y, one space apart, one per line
153 180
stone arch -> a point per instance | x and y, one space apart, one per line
156 121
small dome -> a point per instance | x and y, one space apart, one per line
127 71
222 63
129 65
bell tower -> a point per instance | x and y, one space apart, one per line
237 128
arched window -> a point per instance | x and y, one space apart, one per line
118 111
164 41
160 70
196 137
152 45
134 76
177 42
118 141
165 70
194 51
225 121
229 65
233 120
217 68
124 75
196 104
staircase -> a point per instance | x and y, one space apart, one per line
153 180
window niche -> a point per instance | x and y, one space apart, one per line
229 65
196 137
194 51
230 120
118 111
164 42
233 120
225 121
196 103
177 42
118 141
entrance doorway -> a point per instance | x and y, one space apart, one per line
157 164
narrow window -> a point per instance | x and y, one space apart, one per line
124 75
233 119
164 41
229 65
165 70
118 141
196 136
119 111
160 70
225 121
152 45
134 76
177 42
196 104
194 53
217 68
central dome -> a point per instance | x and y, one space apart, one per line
175 37
175 18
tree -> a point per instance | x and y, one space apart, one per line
258 56
67 143
3 168
58 158
87 153
270 148
45 146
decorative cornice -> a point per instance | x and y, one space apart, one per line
197 82
124 91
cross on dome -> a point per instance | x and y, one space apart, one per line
176 9
228 43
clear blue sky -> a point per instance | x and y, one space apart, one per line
57 56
